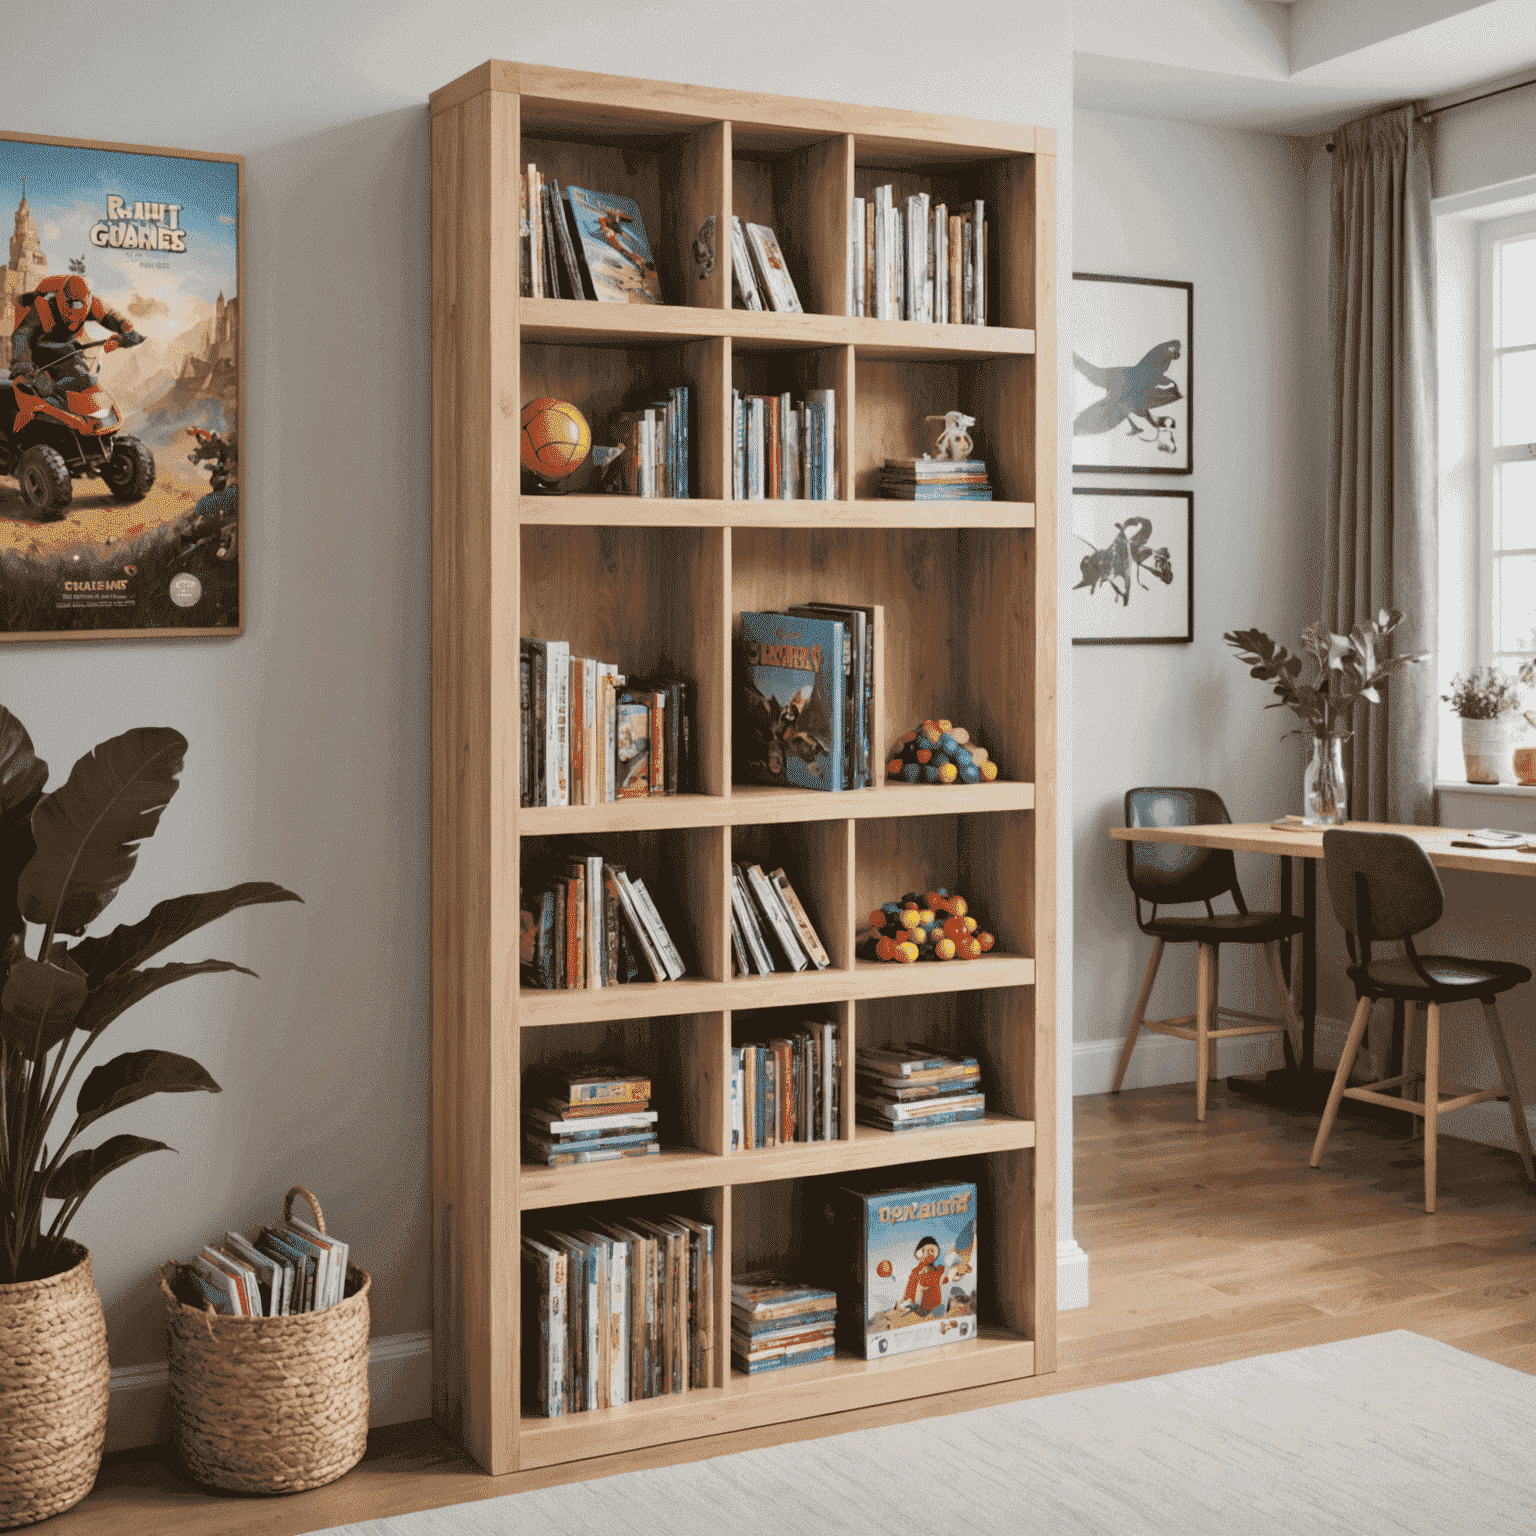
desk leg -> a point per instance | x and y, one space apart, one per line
1308 964
1285 906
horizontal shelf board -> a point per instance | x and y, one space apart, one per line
679 512
591 323
628 1178
868 978
761 804
799 1392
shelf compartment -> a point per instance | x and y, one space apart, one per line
672 512
817 858
797 371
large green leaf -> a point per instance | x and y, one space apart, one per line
136 1075
22 776
89 829
167 922
40 1004
117 996
80 1173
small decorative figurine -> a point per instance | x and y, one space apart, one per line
704 248
556 442
940 752
924 925
954 442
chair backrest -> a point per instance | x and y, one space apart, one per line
1174 872
1393 875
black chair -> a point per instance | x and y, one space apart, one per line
1174 874
1383 887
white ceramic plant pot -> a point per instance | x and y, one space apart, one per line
1485 745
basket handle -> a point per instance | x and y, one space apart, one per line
314 1205
170 1268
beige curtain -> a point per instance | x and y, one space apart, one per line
1382 546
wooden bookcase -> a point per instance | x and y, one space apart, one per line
969 595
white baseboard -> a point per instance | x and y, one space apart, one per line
399 1389
1071 1275
1160 1059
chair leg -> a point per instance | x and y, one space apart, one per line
1410 1089
1292 1036
1431 1104
1142 999
1507 1072
1214 1019
1205 997
1341 1077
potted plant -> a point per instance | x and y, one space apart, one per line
63 857
1350 671
1488 701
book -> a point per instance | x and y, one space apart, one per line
803 925
791 701
561 1125
764 1296
743 279
633 770
772 270
613 243
562 1157
544 1327
588 1085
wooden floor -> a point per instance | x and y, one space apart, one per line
1206 1243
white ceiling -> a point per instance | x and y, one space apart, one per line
1291 66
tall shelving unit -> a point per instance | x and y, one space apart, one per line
969 595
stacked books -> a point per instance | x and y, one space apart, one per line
586 735
292 1267
911 1088
617 1309
777 1323
655 443
587 923
915 261
928 479
787 1089
770 928
588 1114
578 244
784 450
759 274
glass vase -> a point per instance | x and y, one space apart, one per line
1325 800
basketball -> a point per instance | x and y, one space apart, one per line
556 438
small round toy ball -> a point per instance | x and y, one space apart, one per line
944 949
970 774
885 948
960 734
911 772
967 948
877 918
985 941
962 756
890 907
989 771
893 768
931 732
970 923
978 754
911 736
556 438
961 906
954 928
945 725
948 773
910 919
923 754
925 916
906 953
883 1269
931 773
948 744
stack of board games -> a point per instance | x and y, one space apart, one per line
770 928
915 260
786 1089
618 1306
783 449
588 735
759 274
904 1264
777 1323
585 922
929 479
656 442
288 1268
577 244
906 1087
587 1114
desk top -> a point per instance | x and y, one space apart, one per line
1307 843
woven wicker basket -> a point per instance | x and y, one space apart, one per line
54 1386
269 1404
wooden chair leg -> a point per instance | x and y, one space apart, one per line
1142 999
1214 1020
1205 996
1291 1039
1431 1104
1341 1077
1507 1073
1410 1089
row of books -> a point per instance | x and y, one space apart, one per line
786 1089
777 1323
934 480
915 260
623 1309
587 923
759 274
576 244
587 735
587 1114
784 450
292 1267
770 928
806 695
905 1087
656 443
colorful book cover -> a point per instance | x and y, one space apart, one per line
613 242
633 770
791 699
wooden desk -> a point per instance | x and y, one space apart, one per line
1306 1087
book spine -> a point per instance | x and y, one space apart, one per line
638 925
803 925
578 726
669 950
967 289
524 724
979 244
658 709
778 917
558 740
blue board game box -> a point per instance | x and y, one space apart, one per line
791 700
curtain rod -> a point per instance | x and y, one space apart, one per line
1450 106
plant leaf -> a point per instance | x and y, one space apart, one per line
22 777
136 1075
80 1173
88 830
118 995
40 1003
168 921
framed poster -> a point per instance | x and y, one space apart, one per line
1133 374
121 368
1136 577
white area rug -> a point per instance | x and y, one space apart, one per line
1390 1434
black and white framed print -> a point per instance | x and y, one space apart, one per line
1132 374
1136 554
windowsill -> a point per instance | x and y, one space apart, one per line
1461 787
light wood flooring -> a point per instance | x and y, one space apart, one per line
1206 1243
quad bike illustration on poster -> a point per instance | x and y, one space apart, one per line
119 392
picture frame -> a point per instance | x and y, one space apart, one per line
1133 591
1133 375
121 515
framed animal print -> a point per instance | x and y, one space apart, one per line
1133 374
121 347
1136 572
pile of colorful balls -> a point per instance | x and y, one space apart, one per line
924 925
940 752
